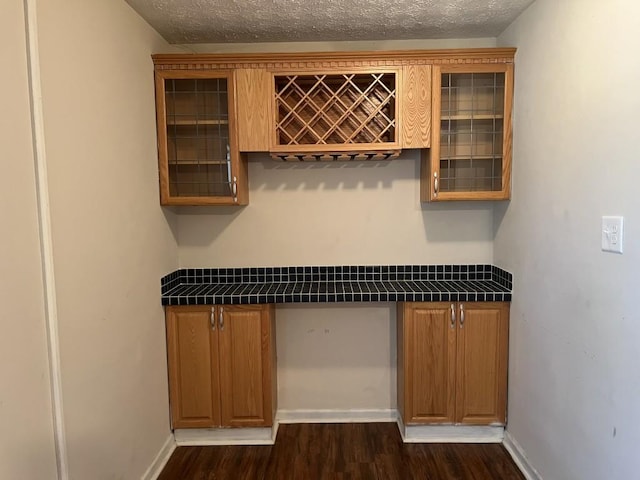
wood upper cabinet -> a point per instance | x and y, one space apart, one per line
199 162
347 111
221 363
452 362
453 105
470 155
335 110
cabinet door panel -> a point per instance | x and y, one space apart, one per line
245 374
470 156
253 87
415 110
198 157
429 363
193 374
482 363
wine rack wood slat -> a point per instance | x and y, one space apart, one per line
338 109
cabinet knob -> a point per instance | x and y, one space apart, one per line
221 319
435 184
213 318
461 315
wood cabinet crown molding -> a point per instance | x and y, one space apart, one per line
315 60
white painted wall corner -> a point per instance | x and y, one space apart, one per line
161 459
519 457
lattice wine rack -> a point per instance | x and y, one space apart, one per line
352 110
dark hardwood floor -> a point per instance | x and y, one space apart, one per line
354 451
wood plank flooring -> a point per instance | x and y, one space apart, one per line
348 451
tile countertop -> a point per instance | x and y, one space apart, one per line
314 284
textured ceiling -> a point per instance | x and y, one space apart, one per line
254 21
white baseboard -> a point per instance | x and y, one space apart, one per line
450 433
161 459
519 457
226 436
337 416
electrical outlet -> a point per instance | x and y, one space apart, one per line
612 238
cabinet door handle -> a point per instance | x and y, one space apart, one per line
212 319
453 316
234 189
221 319
435 184
461 315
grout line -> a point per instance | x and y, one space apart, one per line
46 242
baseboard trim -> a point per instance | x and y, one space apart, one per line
337 416
519 457
450 433
161 459
226 436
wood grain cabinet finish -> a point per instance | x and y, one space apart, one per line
415 106
199 162
221 363
452 362
337 109
254 93
470 155
453 105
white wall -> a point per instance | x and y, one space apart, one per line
112 241
337 214
26 441
353 213
574 384
338 357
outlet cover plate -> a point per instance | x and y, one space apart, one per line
612 234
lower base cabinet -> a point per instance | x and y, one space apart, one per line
452 363
222 367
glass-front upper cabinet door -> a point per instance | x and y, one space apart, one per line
470 157
197 146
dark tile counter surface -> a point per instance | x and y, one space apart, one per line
313 284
